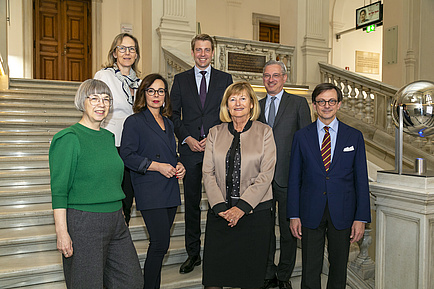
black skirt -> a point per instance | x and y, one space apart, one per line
236 257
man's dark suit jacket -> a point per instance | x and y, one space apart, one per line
188 114
292 115
143 141
344 187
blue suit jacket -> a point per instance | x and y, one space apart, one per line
344 187
144 141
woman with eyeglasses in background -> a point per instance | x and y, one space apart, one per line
86 175
148 149
120 74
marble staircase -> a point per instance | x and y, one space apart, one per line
32 111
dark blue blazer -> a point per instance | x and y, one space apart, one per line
144 141
188 114
344 187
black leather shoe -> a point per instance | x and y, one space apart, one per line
284 284
270 283
189 264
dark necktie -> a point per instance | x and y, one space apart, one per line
272 112
202 93
326 149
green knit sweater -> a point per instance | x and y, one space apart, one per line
86 171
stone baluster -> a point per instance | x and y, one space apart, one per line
363 264
345 93
359 105
390 128
368 108
324 77
353 99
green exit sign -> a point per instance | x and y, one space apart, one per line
370 28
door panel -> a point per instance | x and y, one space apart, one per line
62 39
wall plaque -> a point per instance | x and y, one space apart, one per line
367 62
246 62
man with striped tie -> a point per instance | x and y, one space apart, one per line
328 192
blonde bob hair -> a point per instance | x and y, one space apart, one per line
239 88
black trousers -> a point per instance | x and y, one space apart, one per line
288 243
192 198
313 242
158 223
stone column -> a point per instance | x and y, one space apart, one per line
177 28
315 46
405 231
4 71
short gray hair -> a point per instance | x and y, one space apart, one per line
272 62
89 87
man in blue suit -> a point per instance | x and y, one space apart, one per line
196 96
328 192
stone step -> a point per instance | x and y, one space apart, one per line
23 162
29 97
21 270
39 109
23 215
57 86
23 136
24 195
21 149
38 118
42 124
171 279
22 240
24 177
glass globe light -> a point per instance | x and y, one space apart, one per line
417 100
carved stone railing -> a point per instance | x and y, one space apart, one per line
369 101
225 45
175 62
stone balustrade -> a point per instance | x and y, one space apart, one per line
370 101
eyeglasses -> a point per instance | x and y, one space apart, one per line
274 76
123 49
331 102
95 100
152 91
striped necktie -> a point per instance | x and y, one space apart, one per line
326 149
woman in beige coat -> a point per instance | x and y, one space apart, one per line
238 168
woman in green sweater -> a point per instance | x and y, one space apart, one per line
86 175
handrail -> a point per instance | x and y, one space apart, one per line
367 105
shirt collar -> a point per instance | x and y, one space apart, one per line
278 96
333 125
197 70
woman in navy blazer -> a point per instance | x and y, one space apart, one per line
148 148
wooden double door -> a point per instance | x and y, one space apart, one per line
62 39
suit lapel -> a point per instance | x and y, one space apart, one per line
193 87
341 140
312 138
152 124
262 106
213 80
282 106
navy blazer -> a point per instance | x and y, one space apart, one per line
344 187
188 114
144 141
